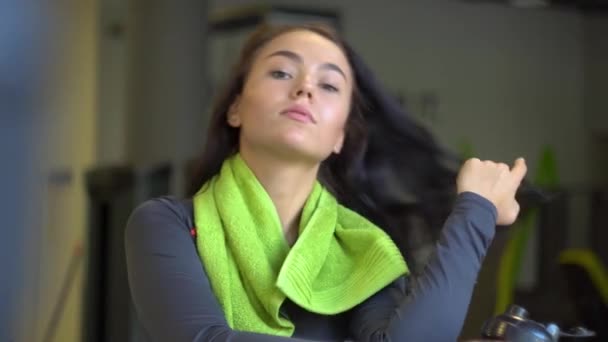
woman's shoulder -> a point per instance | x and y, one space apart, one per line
166 212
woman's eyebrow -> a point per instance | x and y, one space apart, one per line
298 59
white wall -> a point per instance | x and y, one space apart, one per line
508 80
113 52
166 82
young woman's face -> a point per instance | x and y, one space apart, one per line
296 98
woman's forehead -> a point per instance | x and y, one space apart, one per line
310 46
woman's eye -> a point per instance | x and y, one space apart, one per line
329 87
281 75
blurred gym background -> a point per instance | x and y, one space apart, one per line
103 104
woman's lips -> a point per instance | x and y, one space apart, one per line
299 113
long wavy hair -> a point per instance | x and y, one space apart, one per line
390 167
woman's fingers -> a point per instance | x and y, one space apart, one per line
496 182
519 170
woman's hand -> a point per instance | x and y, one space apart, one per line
496 182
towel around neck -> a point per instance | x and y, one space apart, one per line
339 259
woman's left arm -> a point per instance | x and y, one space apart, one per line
433 305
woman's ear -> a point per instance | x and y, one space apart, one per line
233 116
339 143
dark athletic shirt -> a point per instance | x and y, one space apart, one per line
174 300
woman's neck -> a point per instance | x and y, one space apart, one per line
287 183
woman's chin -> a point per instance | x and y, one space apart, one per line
298 150
293 145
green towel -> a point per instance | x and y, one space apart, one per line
339 260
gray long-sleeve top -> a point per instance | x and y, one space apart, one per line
174 300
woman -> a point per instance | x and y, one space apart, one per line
288 234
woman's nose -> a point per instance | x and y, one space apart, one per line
302 88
